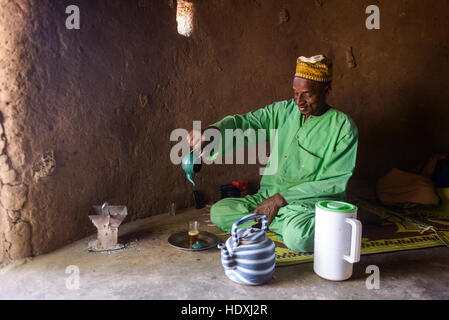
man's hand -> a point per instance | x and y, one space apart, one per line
197 140
270 207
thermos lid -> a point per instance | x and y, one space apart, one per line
336 206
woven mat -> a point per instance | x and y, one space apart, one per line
396 233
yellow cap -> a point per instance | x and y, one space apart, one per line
316 68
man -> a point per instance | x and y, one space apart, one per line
316 154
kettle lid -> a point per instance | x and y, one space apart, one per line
251 235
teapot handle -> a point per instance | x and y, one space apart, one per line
251 216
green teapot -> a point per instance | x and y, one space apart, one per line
191 164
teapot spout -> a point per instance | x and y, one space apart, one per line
227 260
190 178
223 248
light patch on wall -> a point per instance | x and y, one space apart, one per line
184 17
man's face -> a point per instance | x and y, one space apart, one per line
310 96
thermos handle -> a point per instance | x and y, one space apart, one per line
356 239
251 216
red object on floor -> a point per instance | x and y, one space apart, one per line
242 185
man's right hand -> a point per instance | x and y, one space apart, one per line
197 140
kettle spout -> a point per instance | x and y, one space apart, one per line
223 249
227 260
190 178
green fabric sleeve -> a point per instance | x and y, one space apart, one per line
265 118
335 172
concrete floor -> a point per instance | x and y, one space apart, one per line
151 269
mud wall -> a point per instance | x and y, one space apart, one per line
86 114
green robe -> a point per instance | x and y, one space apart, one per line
315 160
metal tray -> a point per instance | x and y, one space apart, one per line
180 240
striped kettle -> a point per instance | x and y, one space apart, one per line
248 256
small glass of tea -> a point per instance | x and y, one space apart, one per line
193 232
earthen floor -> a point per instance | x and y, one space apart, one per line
149 268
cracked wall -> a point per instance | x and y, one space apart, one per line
15 228
86 115
82 118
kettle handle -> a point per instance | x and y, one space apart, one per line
251 216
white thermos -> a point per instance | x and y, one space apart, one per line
338 236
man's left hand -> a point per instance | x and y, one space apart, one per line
270 207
